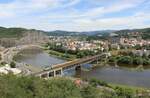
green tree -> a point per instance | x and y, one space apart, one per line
33 87
90 92
13 65
146 62
80 54
124 92
138 61
125 60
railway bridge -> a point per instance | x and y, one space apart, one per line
57 70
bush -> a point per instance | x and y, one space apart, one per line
138 61
90 92
146 62
112 59
3 63
124 92
96 82
13 65
125 60
32 87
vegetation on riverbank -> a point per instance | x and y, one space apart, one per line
120 91
32 87
58 51
128 58
62 55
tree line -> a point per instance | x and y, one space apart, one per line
129 58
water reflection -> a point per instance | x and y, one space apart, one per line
37 57
119 76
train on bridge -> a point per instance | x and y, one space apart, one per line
58 70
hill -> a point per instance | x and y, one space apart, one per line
74 33
17 36
16 32
20 32
11 32
144 33
61 33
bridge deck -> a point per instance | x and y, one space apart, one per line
74 62
70 63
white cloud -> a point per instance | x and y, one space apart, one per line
135 21
92 18
115 7
28 6
97 11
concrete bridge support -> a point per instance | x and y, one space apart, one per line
53 73
78 70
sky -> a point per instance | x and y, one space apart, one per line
75 15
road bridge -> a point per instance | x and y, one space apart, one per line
57 70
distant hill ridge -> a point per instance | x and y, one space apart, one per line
11 32
144 33
75 33
15 32
19 32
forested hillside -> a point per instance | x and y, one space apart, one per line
11 32
144 33
75 33
19 32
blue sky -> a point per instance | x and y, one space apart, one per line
75 15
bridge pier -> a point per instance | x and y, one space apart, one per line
53 73
44 75
78 70
57 70
98 60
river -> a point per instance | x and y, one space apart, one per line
123 76
108 74
37 58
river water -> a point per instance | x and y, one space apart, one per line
123 76
37 57
108 74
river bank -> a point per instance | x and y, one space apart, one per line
37 58
113 75
123 61
118 75
60 55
